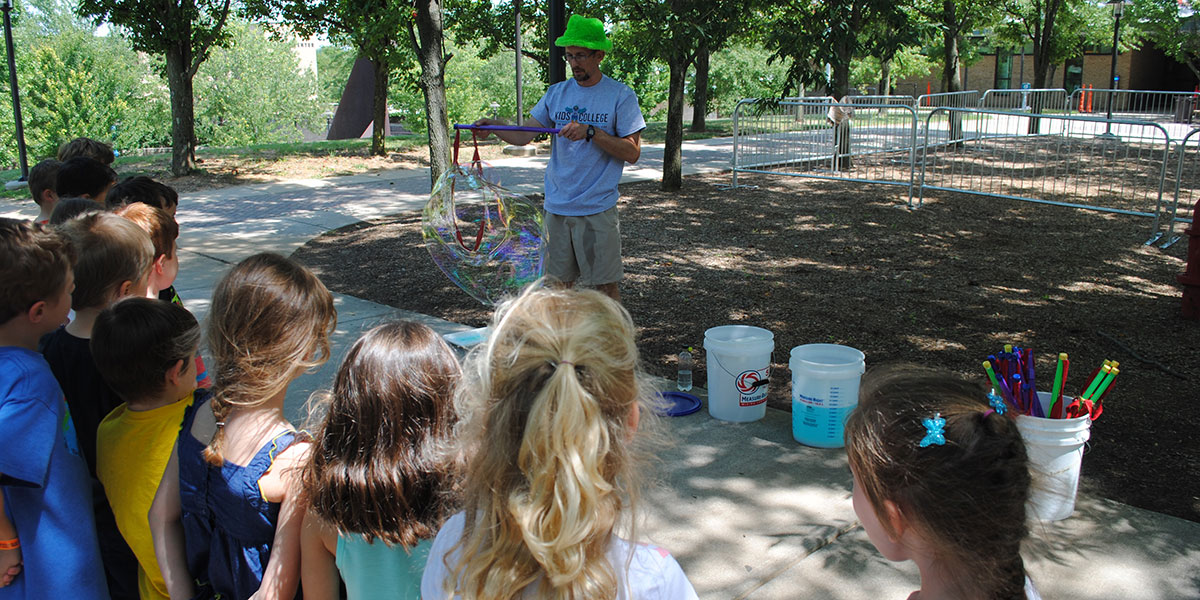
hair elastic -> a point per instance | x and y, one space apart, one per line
988 412
12 544
564 362
935 431
997 403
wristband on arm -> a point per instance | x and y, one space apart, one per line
12 544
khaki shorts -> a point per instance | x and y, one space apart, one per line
585 250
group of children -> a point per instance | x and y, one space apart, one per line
514 475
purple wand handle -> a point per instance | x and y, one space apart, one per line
507 128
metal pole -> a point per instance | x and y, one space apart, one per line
16 95
520 103
1112 74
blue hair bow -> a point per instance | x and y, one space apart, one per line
997 403
935 431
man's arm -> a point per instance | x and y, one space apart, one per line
516 138
628 148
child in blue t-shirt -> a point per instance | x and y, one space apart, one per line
48 545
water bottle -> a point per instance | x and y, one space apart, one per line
684 378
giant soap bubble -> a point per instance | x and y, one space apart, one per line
486 239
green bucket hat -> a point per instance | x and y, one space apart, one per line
586 33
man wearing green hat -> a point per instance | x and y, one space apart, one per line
600 129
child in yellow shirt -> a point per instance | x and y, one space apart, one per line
145 349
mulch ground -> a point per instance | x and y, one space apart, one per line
848 263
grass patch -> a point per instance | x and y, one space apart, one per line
656 131
139 165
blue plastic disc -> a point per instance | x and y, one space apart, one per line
679 404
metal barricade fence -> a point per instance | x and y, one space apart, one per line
1071 163
881 99
964 99
1187 184
1049 99
952 132
1142 104
876 144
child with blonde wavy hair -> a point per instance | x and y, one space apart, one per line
941 478
236 514
376 481
551 408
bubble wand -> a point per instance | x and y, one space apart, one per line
506 128
1097 378
1060 382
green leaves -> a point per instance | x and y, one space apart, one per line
254 92
1168 26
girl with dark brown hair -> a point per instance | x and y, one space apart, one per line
941 478
377 477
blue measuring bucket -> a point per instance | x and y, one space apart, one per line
825 380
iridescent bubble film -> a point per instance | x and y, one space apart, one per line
486 239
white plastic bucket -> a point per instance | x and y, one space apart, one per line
738 365
1055 449
825 380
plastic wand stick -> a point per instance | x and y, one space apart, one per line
1056 391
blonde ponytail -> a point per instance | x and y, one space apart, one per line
550 467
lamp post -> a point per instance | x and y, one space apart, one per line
520 100
1118 8
16 97
526 150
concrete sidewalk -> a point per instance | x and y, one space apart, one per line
748 512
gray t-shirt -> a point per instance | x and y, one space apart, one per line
582 179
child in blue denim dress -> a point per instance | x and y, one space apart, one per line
235 528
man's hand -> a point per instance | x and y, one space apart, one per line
573 131
484 134
10 566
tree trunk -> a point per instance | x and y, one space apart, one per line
1041 68
700 106
1042 40
841 89
840 84
672 178
952 66
183 118
381 126
885 79
431 53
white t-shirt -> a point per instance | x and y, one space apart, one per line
653 573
